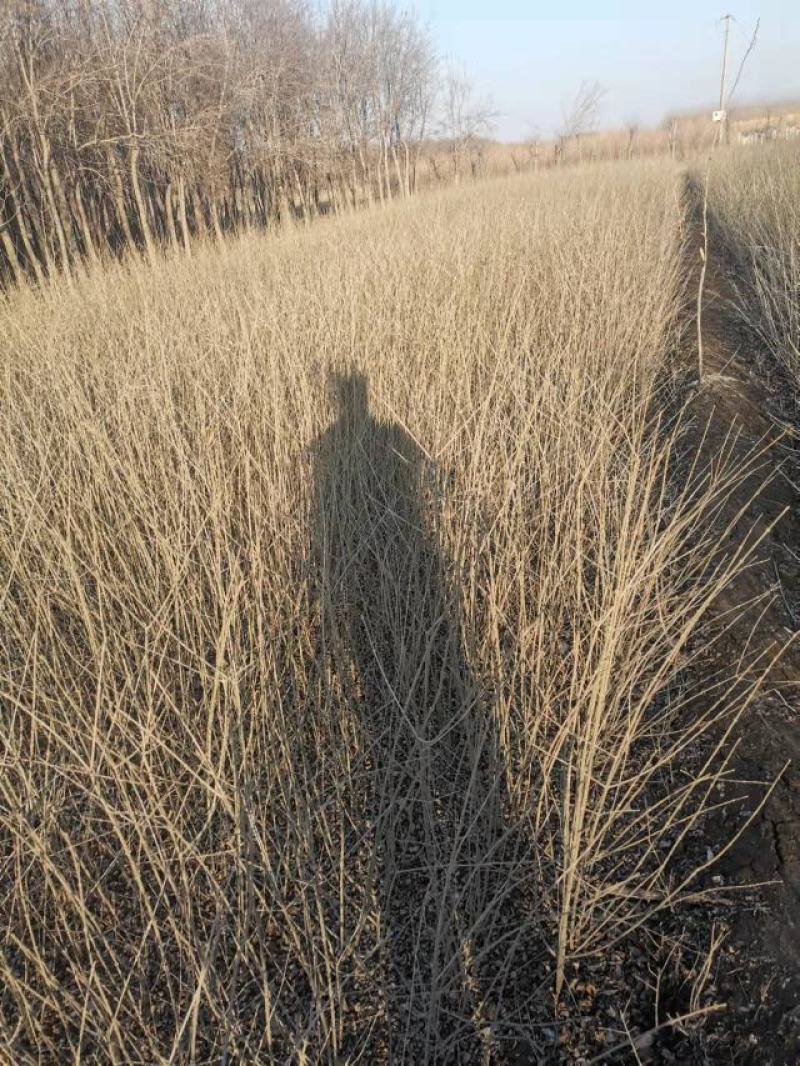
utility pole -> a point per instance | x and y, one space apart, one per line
723 124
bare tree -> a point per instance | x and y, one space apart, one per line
128 125
580 116
465 118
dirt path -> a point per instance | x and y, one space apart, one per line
741 394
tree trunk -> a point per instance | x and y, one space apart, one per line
65 213
10 251
86 230
169 217
44 177
301 196
198 213
401 185
27 242
213 210
182 215
118 193
141 207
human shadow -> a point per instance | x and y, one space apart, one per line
391 621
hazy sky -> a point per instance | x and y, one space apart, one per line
532 56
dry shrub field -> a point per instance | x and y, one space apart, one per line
350 618
755 197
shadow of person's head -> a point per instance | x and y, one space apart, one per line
350 392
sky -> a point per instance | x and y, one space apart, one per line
651 59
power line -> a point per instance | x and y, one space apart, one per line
723 122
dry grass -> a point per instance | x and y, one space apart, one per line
331 732
755 196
